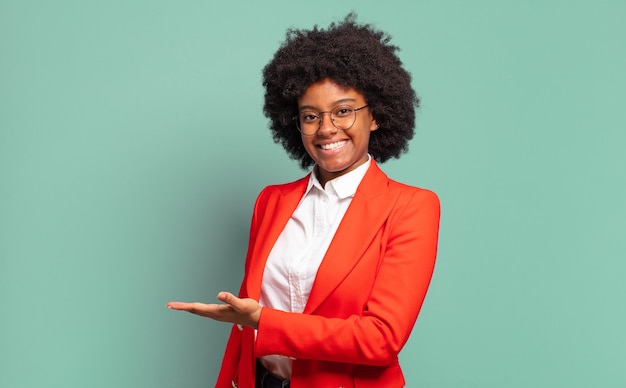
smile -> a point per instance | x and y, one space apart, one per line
333 146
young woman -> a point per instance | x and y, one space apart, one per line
338 262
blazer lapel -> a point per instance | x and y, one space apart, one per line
365 215
279 208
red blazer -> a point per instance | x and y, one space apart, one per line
366 296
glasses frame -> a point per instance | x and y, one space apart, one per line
332 119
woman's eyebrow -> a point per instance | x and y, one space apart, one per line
340 101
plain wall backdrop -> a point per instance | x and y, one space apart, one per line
133 145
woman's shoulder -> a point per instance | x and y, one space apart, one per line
414 194
405 187
282 189
287 186
380 178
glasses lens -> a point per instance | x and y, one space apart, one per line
308 122
343 117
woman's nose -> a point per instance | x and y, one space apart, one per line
326 125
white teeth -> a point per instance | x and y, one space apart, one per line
333 146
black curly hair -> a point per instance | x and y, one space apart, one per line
353 55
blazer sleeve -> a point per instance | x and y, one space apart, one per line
375 335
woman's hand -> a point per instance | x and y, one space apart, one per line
235 310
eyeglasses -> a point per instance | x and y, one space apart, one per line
343 117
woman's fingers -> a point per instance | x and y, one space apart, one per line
177 305
219 312
235 310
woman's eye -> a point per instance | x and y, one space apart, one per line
342 112
308 117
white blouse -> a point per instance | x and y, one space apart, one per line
298 252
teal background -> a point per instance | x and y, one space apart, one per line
132 147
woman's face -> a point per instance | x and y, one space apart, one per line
336 152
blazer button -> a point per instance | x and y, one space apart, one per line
239 327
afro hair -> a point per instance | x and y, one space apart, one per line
354 55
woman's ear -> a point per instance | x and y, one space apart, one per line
373 125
